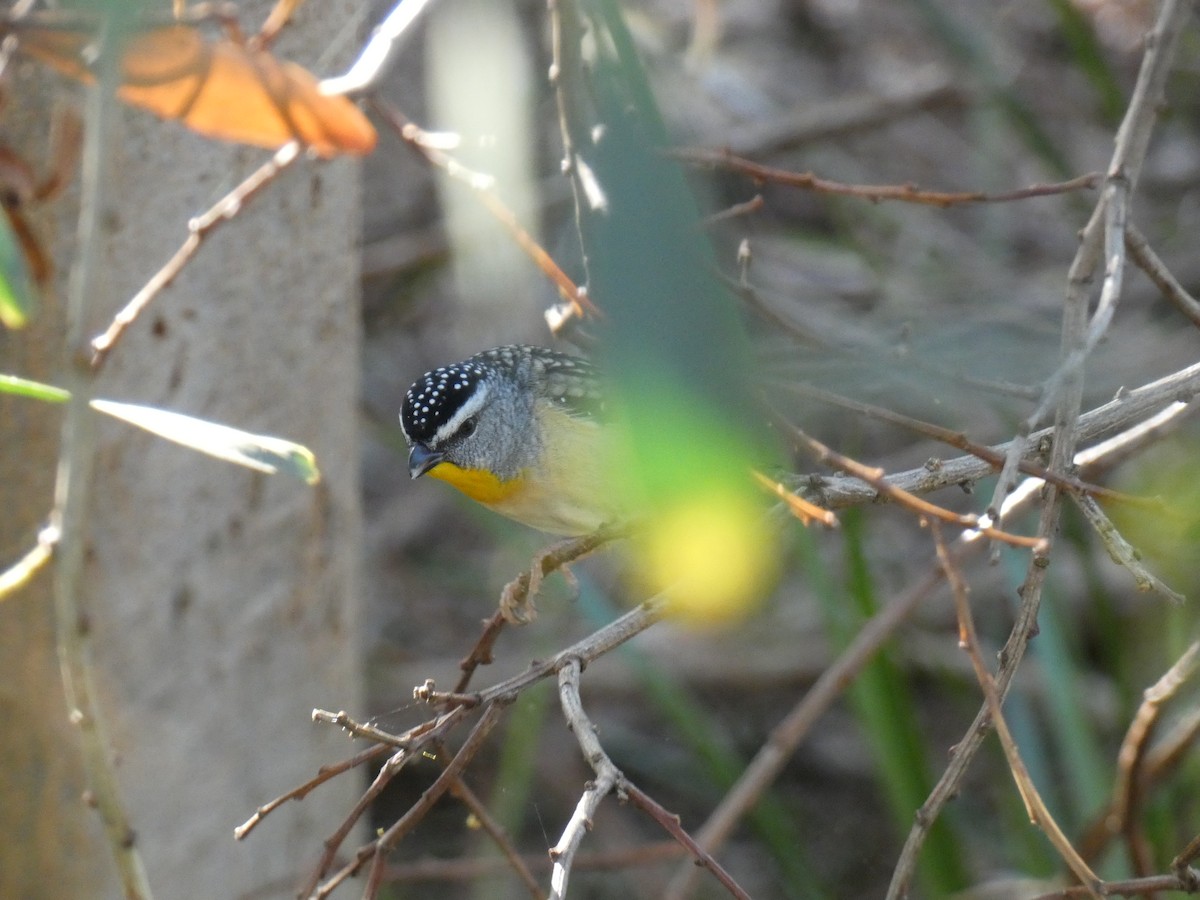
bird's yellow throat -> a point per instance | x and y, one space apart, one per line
478 484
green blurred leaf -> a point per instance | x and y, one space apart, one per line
23 387
1085 49
254 451
18 299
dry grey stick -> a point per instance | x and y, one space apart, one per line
1104 234
1120 551
1156 270
1118 413
607 776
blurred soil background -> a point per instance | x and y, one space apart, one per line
951 315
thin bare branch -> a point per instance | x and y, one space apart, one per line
903 193
1156 270
1039 814
199 228
496 832
1103 239
325 773
1129 790
73 486
1122 552
875 478
1121 412
607 776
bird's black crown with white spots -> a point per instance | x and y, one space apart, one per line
567 381
437 395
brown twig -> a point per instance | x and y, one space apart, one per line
325 773
1132 887
1036 808
1026 624
496 832
517 592
745 208
482 186
904 193
1156 270
671 824
1181 865
378 849
1160 761
409 744
806 512
516 600
1122 412
876 479
199 228
1128 792
771 758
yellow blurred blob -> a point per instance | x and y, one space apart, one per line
714 554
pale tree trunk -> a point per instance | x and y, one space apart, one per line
222 602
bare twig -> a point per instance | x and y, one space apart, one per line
198 229
1156 270
904 193
381 846
875 478
670 822
76 460
482 185
1103 238
1181 865
1036 808
1159 762
517 592
482 867
993 456
325 773
409 743
1121 412
1132 887
1025 625
1121 551
24 569
607 776
769 761
1128 791
516 600
496 832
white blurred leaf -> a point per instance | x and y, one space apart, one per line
254 451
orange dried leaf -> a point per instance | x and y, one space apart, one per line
229 91
219 89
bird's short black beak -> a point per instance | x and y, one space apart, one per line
421 459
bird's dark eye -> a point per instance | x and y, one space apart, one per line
468 427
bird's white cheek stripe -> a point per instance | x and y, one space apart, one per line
473 404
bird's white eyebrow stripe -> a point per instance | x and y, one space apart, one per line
473 404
